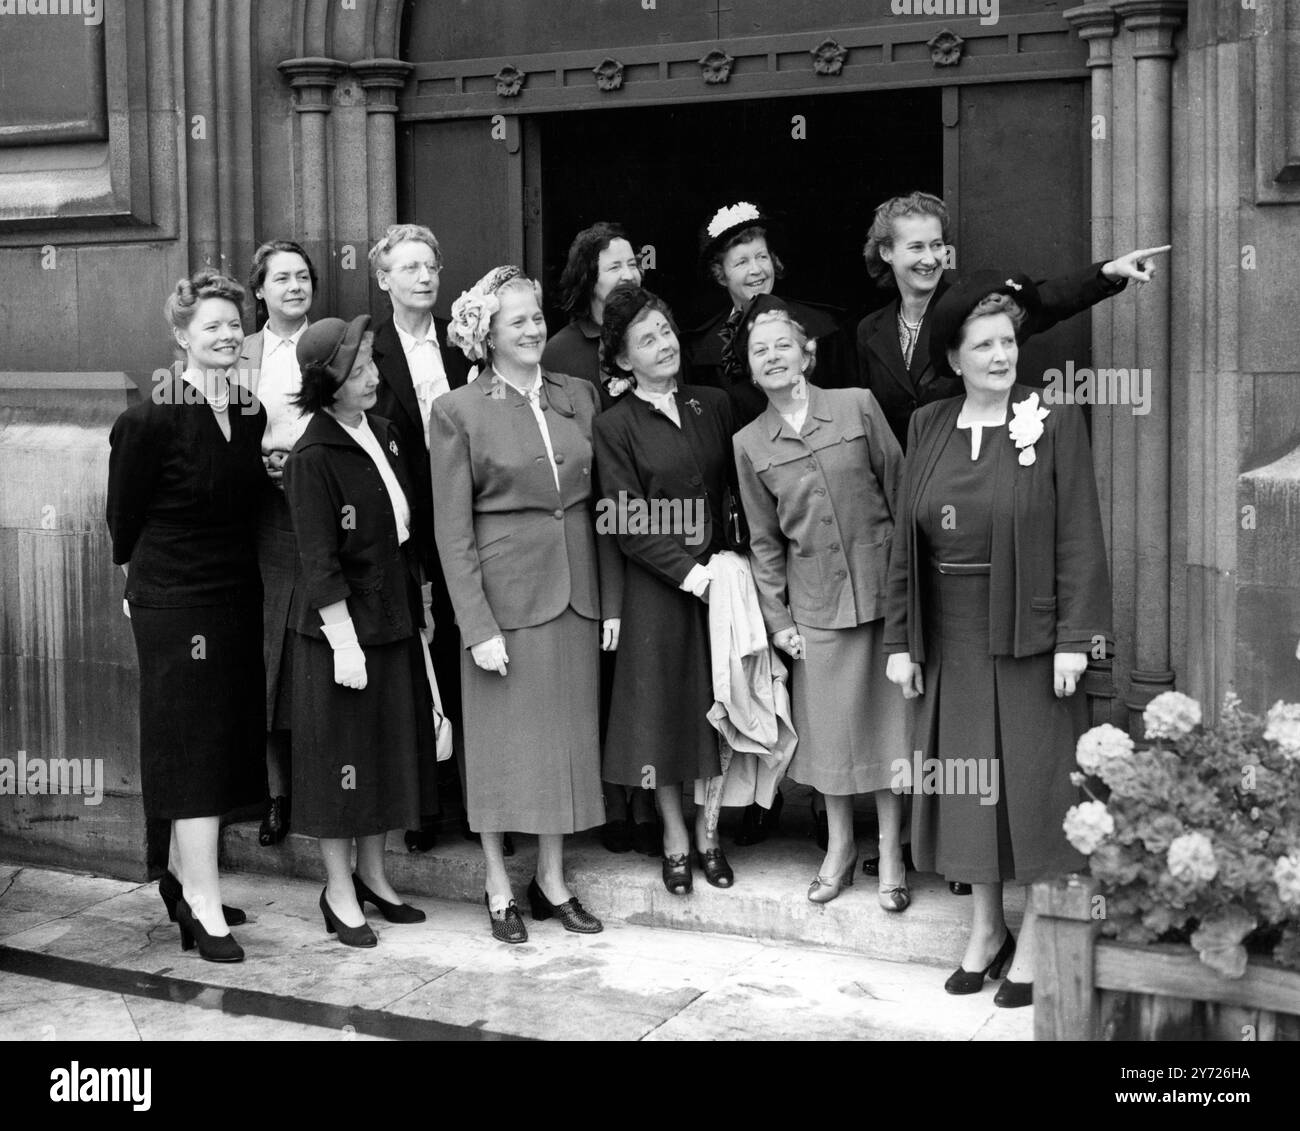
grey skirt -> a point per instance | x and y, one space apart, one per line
532 742
853 724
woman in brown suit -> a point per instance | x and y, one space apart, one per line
998 595
512 454
818 474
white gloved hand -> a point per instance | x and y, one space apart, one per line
349 659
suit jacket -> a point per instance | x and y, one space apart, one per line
347 533
820 506
515 551
836 367
397 402
1049 587
901 389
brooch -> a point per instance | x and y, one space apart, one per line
694 404
1014 285
392 446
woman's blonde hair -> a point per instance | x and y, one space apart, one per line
882 232
184 300
806 344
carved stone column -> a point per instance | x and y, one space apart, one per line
382 79
313 79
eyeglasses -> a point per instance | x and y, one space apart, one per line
410 270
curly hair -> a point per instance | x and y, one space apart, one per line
578 279
261 265
627 304
995 303
882 231
182 303
745 235
400 233
808 346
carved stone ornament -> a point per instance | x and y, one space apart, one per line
510 81
609 75
716 66
828 57
945 48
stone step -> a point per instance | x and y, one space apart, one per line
768 901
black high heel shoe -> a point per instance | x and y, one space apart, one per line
570 913
361 936
715 867
963 981
275 822
169 887
212 948
758 823
507 924
393 912
1012 995
678 878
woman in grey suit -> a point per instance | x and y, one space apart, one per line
511 455
283 282
818 472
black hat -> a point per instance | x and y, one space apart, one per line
329 347
951 311
727 222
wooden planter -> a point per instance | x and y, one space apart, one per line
1087 988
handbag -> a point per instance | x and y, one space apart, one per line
736 530
441 724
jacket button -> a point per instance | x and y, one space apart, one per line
826 519
586 471
559 457
840 574
820 491
694 481
559 513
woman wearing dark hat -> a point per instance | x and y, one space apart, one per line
818 472
363 759
283 281
906 250
734 250
998 594
664 443
184 464
600 258
512 453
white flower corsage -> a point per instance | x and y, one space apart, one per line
617 386
470 316
1026 427
738 213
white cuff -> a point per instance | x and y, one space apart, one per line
341 635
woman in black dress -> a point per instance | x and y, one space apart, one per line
363 759
998 595
184 466
664 442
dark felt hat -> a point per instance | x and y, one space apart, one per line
956 303
328 348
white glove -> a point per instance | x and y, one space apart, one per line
349 659
126 608
697 581
490 655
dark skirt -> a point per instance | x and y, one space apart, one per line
363 761
659 731
201 716
277 558
532 745
997 729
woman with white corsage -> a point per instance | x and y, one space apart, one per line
998 596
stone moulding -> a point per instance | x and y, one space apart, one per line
945 48
510 81
716 66
609 75
828 57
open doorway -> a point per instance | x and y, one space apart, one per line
819 164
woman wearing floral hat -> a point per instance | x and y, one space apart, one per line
512 454
998 593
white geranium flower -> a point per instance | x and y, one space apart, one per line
1026 427
1087 825
1171 715
1286 874
1283 727
1099 745
1191 857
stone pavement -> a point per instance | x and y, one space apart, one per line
445 978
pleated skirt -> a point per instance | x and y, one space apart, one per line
532 742
1001 750
202 692
853 724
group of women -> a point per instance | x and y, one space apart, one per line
945 601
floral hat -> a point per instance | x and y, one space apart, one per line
726 222
471 314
